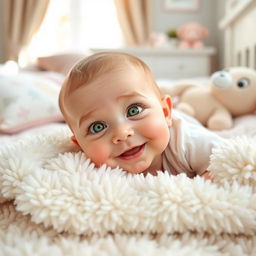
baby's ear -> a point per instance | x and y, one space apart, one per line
167 108
74 140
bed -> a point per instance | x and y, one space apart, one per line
29 96
55 202
238 27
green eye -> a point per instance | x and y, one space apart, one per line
97 127
134 110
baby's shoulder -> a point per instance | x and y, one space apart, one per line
187 129
184 119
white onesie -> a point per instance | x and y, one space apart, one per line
190 146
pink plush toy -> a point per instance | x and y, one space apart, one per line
191 35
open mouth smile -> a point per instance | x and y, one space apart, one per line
133 152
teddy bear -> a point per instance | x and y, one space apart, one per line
230 93
191 35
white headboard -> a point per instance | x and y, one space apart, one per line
239 25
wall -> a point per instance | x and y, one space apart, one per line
220 34
1 33
209 14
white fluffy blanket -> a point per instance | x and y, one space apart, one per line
55 202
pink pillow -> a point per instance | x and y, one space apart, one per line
28 99
59 63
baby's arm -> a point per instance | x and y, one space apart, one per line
200 142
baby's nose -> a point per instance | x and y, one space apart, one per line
122 133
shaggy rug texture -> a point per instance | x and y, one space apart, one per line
55 202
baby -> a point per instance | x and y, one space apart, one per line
119 117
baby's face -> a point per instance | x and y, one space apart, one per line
118 120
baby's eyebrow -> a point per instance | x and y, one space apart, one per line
86 116
129 95
125 95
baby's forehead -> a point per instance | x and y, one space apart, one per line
118 75
114 84
117 80
127 77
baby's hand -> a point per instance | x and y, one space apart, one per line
207 175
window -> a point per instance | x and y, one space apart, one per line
76 26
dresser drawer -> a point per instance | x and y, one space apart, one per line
170 63
179 66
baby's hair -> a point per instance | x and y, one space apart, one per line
87 69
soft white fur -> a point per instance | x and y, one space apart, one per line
55 202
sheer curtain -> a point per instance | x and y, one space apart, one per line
135 17
97 24
76 26
22 18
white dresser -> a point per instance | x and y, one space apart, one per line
173 63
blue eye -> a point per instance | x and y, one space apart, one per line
97 127
134 110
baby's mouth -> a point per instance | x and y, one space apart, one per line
132 153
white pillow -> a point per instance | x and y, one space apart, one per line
28 99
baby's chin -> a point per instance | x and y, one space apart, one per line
134 168
140 167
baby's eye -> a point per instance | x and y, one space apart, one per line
97 127
134 110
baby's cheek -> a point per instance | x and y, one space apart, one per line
98 153
157 132
155 127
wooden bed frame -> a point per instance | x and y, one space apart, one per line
239 33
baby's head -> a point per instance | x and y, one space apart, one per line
116 112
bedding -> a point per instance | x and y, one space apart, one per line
243 125
55 202
60 63
28 99
44 130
